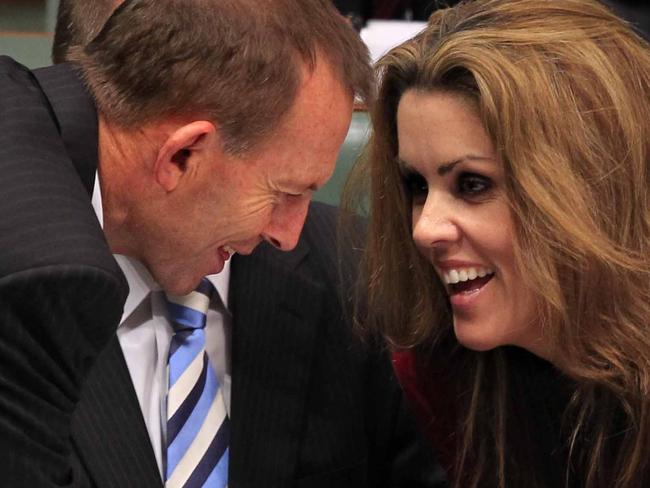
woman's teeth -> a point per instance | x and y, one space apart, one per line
454 276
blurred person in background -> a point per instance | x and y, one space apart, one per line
636 12
363 10
78 23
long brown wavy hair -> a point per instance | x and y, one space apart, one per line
562 87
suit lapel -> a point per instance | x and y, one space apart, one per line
273 342
108 430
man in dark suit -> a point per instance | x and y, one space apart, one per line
308 405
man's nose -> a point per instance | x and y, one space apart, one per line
283 231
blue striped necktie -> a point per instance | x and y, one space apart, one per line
198 427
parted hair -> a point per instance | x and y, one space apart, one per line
235 62
563 90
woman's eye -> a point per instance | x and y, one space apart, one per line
473 185
416 186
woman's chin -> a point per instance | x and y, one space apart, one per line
476 338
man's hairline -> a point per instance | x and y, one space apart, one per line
244 147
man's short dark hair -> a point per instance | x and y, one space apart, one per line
235 62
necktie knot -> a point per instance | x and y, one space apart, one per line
188 312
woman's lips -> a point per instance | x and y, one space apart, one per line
463 296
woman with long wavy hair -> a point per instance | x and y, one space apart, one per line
509 238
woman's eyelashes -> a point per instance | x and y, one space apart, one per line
472 185
465 185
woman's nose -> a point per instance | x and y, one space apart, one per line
435 225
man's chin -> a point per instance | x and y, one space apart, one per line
180 289
179 279
178 283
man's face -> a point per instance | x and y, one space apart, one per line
236 202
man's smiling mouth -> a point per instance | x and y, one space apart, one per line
225 252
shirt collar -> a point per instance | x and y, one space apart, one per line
221 282
141 283
97 201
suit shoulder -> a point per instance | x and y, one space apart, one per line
45 214
320 228
8 65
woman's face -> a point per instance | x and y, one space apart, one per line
462 222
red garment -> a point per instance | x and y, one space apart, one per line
430 393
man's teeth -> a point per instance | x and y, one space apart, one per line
229 250
464 274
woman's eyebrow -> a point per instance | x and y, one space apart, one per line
444 167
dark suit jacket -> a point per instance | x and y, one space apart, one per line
311 406
61 292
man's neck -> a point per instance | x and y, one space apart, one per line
122 172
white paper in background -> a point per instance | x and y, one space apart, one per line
382 35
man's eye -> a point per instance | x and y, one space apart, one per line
415 186
473 185
296 198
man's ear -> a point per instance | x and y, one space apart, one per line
183 149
